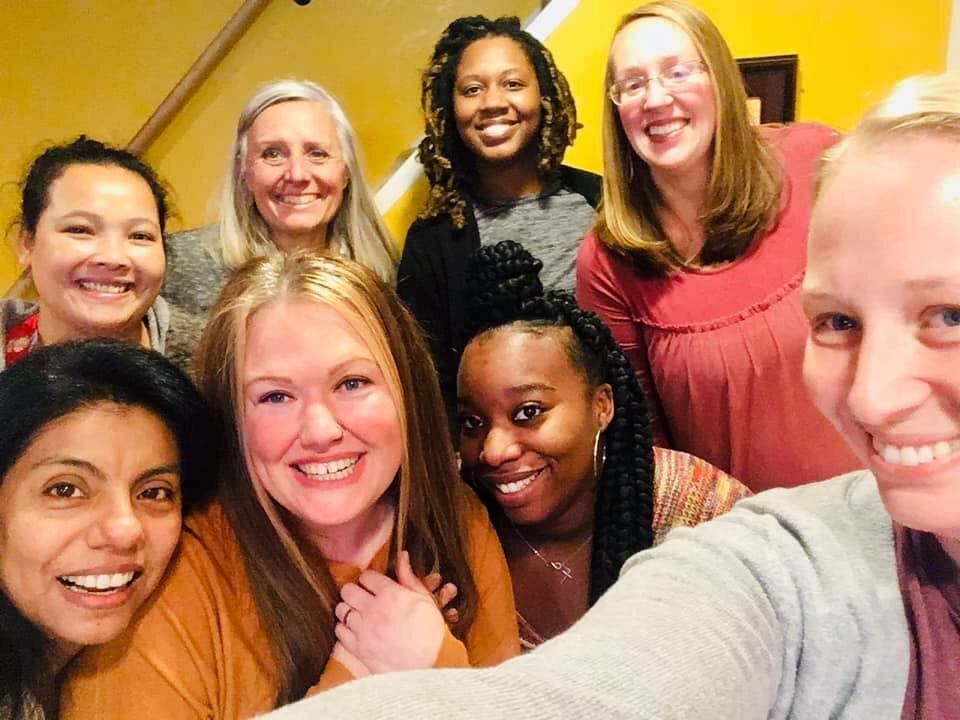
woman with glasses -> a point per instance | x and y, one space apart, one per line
295 182
699 251
499 117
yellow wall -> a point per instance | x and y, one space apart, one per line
102 66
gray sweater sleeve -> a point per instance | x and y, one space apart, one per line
786 607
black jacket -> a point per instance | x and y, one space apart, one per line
432 278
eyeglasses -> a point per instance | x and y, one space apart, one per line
675 77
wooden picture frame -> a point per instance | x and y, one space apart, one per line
771 84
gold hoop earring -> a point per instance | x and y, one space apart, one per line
599 456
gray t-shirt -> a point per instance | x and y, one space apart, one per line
550 225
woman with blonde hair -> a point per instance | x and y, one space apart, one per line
699 252
837 599
339 492
295 182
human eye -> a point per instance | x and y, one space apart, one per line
274 397
352 384
633 85
143 236
527 413
318 156
833 328
78 229
514 84
942 318
272 155
159 494
677 74
470 424
471 90
63 490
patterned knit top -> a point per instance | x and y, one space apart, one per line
687 492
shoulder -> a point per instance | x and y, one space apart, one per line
582 182
427 231
799 142
190 251
688 490
14 311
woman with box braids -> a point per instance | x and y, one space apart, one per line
555 434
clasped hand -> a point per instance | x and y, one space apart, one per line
386 624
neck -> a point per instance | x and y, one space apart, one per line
572 524
508 181
357 542
683 196
53 330
291 242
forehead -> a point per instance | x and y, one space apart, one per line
648 40
101 188
300 336
119 439
493 54
294 119
889 212
529 354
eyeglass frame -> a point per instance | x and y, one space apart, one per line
698 66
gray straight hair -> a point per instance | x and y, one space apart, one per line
357 230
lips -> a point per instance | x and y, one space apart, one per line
495 131
508 484
664 129
104 287
301 200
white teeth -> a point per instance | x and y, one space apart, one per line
297 199
103 287
911 456
333 470
496 131
513 487
86 583
666 128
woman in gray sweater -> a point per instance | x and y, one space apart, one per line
295 182
822 601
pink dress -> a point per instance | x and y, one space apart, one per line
720 350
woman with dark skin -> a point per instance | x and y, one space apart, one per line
560 445
499 117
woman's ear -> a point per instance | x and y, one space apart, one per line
603 405
24 247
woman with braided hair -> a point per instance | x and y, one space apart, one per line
555 435
499 117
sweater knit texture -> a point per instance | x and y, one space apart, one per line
788 606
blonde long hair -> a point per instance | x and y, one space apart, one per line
293 589
357 226
743 194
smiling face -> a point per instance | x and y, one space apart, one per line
671 131
96 256
320 426
528 435
296 172
882 292
496 101
89 518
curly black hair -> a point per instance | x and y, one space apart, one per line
446 160
504 288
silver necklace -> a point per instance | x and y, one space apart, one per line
559 566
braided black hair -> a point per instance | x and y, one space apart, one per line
503 288
446 160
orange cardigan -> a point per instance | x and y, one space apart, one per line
198 650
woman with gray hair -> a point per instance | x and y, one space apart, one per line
295 181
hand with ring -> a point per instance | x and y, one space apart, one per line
390 624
